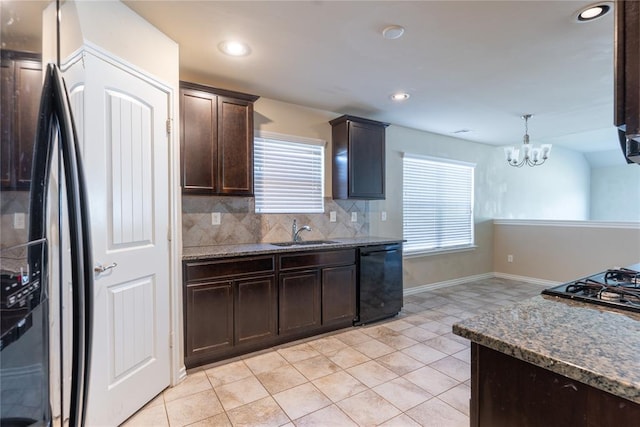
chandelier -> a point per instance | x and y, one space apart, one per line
531 155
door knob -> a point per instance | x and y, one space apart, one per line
102 268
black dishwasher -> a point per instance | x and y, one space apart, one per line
380 282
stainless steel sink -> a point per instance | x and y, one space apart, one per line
305 243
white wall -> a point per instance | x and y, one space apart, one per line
558 190
615 193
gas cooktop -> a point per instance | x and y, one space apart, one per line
616 287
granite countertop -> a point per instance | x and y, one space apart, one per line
221 251
588 343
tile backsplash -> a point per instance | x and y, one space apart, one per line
240 224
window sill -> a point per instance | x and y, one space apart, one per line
422 253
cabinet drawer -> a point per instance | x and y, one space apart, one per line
231 267
317 259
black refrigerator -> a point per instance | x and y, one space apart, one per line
46 278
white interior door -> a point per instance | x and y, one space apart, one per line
125 154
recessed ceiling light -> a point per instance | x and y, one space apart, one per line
400 96
234 48
592 12
393 32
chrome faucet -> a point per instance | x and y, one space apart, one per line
295 230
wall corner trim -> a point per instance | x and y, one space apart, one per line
567 223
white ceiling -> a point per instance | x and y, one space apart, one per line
475 65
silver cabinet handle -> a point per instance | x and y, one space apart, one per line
102 268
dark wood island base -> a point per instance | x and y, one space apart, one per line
508 392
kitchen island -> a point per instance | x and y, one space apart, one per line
549 361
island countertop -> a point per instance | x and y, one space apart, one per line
587 343
224 251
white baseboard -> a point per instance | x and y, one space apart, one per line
461 280
446 283
181 376
533 280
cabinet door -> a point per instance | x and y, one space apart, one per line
20 102
507 392
6 119
256 309
28 86
208 319
299 297
366 161
199 141
235 146
338 295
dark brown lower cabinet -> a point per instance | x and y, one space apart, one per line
299 301
338 295
256 310
230 306
237 305
222 318
209 318
317 291
507 392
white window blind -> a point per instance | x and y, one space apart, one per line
437 204
288 174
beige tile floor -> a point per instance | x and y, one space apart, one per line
407 371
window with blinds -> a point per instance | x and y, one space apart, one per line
288 174
437 204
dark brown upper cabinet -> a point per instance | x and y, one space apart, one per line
627 77
21 75
216 140
358 158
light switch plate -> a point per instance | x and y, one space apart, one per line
354 216
215 218
332 216
383 216
18 220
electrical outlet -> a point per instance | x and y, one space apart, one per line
332 216
509 258
354 216
383 216
215 218
18 220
